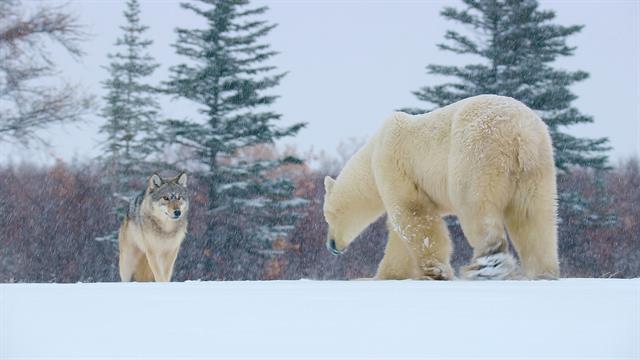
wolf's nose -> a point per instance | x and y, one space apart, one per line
176 213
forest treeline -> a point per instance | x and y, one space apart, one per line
51 217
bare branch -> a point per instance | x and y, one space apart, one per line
29 103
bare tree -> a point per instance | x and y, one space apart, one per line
28 99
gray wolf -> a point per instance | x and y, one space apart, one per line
155 226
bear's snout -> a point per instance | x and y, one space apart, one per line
331 245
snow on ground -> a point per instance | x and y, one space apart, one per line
571 318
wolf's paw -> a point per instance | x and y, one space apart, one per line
497 266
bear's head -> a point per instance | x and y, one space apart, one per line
339 232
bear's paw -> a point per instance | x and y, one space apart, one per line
436 271
497 266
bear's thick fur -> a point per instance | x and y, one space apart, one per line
487 159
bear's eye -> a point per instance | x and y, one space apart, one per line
165 198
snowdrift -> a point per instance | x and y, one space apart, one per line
570 318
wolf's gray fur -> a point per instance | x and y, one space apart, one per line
167 188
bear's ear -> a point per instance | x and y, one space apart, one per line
155 181
328 184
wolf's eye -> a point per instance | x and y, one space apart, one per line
165 198
178 197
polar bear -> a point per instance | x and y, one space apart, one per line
487 159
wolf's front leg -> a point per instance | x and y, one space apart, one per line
157 263
170 261
129 258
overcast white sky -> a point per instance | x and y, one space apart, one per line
351 63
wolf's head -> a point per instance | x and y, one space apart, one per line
169 197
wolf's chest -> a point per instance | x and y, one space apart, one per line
152 236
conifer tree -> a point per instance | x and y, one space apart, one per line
517 43
130 111
227 77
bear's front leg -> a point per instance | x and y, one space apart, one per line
413 215
398 263
426 238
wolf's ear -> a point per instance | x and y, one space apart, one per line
155 181
328 184
182 179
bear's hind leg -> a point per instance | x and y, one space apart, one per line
531 222
491 257
480 196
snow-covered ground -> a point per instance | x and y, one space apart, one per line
572 318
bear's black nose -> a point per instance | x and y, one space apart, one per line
331 245
177 213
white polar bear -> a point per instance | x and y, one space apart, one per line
487 159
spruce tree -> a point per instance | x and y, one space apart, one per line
517 43
130 111
226 76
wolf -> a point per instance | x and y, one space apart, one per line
151 233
